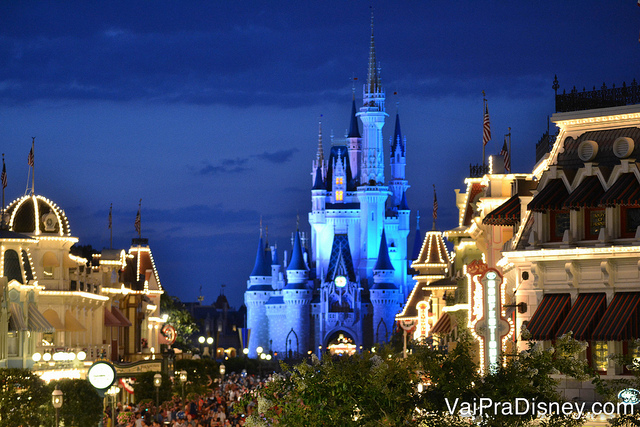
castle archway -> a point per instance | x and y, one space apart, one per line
341 343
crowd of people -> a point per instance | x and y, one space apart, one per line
217 409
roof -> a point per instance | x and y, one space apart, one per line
340 261
417 244
625 191
274 300
433 250
569 159
418 294
341 153
403 206
474 190
297 260
586 195
397 140
37 215
383 262
507 213
354 130
552 196
262 266
318 184
620 320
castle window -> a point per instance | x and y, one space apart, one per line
339 180
630 220
558 223
339 195
594 220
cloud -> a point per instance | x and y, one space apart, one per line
281 156
226 166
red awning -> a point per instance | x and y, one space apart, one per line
620 321
552 196
586 195
547 319
625 191
110 320
121 317
444 325
584 315
507 213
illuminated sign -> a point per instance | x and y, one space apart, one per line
423 317
487 319
629 395
101 375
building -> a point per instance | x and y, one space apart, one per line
61 309
341 288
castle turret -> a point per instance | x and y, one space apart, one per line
384 294
258 292
354 141
398 161
297 295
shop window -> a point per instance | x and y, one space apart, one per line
601 356
630 220
558 223
594 220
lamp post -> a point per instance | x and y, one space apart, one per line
209 343
183 380
57 398
259 350
113 392
223 369
157 382
201 340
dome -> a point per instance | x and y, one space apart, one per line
37 215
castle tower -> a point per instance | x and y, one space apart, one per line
398 161
354 142
258 292
384 294
297 296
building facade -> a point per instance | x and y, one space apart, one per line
341 288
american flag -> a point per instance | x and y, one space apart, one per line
507 156
138 223
435 203
486 128
3 177
30 160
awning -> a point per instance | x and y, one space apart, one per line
444 325
50 260
549 316
53 319
507 213
586 195
552 196
37 321
620 321
584 316
121 317
625 191
110 320
71 324
16 322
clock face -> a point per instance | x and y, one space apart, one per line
340 281
101 375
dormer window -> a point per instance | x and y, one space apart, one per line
594 220
629 220
558 223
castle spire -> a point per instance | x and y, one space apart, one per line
398 141
373 77
383 262
320 153
297 259
354 129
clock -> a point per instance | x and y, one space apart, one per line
340 281
101 375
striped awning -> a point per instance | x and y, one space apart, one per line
121 317
71 324
553 309
584 316
620 321
625 191
110 320
586 195
552 196
16 322
507 213
444 325
37 321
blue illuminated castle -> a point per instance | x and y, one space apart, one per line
340 290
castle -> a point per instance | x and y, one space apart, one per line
339 292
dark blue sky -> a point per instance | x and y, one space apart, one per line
208 110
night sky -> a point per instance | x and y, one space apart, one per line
208 110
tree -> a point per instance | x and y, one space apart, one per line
24 399
82 406
143 387
384 390
180 319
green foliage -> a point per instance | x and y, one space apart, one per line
201 375
180 319
82 406
144 389
24 399
378 390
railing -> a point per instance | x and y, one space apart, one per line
596 98
477 171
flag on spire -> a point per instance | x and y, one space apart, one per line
138 222
506 155
3 178
30 159
110 216
435 203
486 128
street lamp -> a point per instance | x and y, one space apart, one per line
201 340
259 350
113 392
56 400
183 380
157 382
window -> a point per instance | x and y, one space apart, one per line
48 272
601 356
594 220
339 180
558 223
339 195
630 220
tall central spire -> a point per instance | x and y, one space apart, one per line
373 79
320 153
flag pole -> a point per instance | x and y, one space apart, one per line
33 166
510 152
111 226
484 108
4 184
